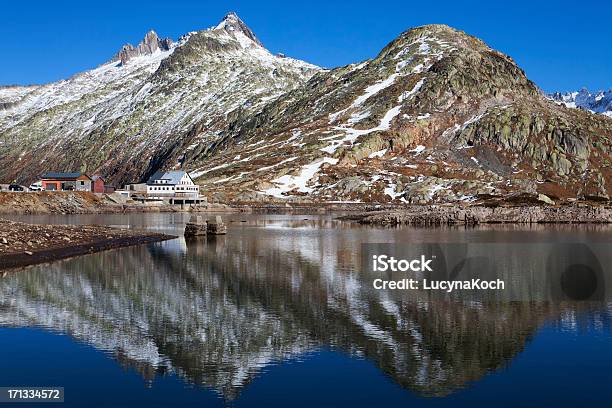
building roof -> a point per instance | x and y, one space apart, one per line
96 177
63 176
171 177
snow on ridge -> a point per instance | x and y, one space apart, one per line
374 89
418 150
69 90
352 134
289 183
251 45
198 173
597 102
424 49
358 117
408 94
359 66
385 123
379 153
119 84
277 164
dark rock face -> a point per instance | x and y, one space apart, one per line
149 45
8 105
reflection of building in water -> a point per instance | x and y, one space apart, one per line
216 311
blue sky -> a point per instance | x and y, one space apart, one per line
562 45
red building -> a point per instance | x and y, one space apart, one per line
74 182
66 182
97 184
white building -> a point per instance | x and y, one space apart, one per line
172 185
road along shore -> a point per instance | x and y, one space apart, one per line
83 202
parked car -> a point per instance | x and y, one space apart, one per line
17 187
36 186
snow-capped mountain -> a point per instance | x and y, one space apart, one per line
599 102
130 115
436 116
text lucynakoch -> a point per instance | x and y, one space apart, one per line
386 263
441 285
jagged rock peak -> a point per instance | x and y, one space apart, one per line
232 24
598 102
149 45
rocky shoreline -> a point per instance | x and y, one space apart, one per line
520 209
472 215
24 244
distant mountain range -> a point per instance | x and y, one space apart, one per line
436 116
599 102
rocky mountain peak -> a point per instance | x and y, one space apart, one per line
150 44
598 102
233 25
437 116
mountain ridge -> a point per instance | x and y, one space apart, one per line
127 114
598 102
436 116
149 44
433 95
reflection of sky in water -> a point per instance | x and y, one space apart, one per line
288 311
176 246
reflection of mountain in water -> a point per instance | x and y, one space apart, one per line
217 312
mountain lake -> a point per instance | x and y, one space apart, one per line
279 312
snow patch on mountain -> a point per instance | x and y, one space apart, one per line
298 182
48 96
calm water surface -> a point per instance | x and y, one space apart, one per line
279 313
